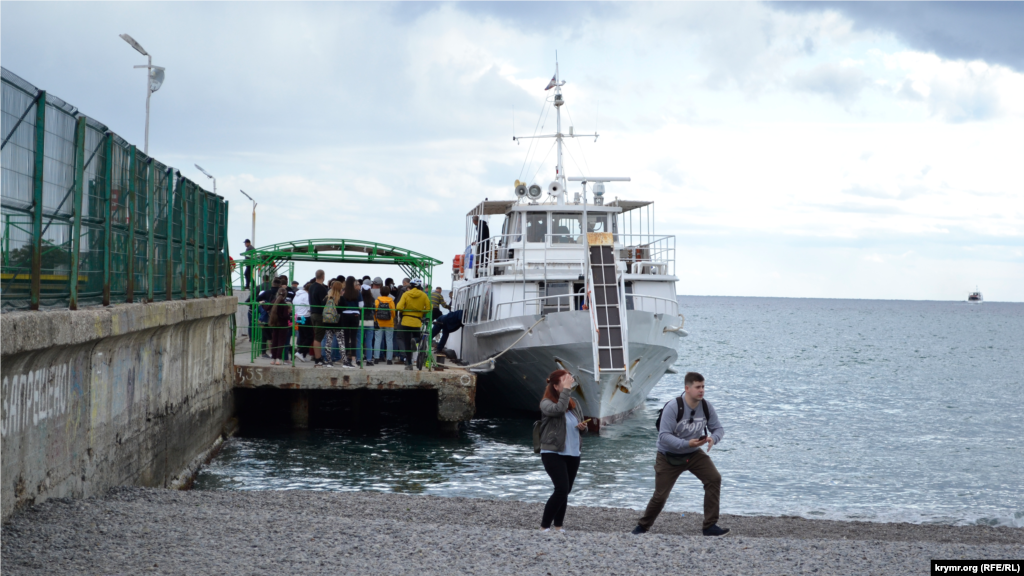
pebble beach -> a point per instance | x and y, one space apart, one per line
151 531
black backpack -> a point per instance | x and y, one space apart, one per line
679 413
383 311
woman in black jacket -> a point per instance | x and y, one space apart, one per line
560 426
279 325
351 315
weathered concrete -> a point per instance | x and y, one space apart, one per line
117 396
456 389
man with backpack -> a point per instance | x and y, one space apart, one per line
384 315
683 427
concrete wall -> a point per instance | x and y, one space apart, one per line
102 397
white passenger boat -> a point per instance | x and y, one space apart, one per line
549 292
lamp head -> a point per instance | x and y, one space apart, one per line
131 41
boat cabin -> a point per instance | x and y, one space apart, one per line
531 258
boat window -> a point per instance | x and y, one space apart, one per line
536 226
629 296
566 228
460 300
557 304
474 301
514 227
485 303
597 222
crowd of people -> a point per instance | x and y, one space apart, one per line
347 320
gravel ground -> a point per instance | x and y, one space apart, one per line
133 531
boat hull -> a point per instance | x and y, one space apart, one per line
562 340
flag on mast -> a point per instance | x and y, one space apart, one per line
551 84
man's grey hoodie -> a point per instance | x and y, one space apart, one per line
674 439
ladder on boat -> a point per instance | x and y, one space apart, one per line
608 315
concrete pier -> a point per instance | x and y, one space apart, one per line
456 388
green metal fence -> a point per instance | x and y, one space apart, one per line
89 219
270 260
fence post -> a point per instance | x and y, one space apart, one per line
195 242
217 260
37 202
108 175
130 260
169 275
226 253
76 226
150 241
184 238
206 249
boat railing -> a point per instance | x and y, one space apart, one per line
540 305
652 304
578 302
506 255
647 253
509 255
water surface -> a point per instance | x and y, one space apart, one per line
843 409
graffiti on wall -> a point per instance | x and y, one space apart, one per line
31 398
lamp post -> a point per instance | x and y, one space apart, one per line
154 79
207 174
253 216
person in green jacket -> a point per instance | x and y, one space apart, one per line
437 302
414 305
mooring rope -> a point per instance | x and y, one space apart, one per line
493 358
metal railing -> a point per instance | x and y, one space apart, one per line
647 253
541 305
88 219
340 348
507 254
653 304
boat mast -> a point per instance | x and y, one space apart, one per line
558 135
559 170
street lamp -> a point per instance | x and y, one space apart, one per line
253 216
154 79
207 174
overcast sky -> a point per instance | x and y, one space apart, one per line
848 150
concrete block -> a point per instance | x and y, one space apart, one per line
103 397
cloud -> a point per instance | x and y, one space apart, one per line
956 91
332 114
989 31
842 83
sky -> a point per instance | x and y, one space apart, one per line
836 150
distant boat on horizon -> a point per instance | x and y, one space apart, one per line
975 296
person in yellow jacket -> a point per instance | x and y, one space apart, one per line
384 313
414 305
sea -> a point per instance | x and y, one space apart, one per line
870 410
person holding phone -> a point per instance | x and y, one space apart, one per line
560 427
680 436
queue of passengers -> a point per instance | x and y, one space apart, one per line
346 320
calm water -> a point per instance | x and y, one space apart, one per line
843 409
